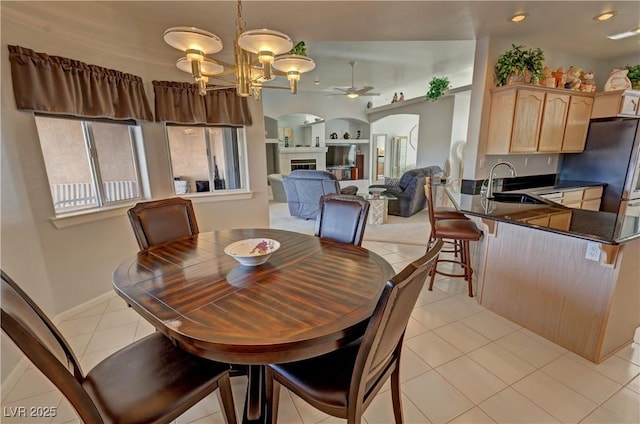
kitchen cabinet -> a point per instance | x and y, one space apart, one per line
591 198
539 220
577 198
526 121
577 124
610 104
530 119
554 120
556 220
560 220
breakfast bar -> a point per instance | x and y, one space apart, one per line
569 275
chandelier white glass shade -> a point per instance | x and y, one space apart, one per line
256 52
294 65
266 44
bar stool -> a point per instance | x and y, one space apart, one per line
459 231
440 213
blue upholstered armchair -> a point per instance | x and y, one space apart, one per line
410 191
304 187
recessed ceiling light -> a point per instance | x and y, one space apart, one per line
519 17
605 16
626 34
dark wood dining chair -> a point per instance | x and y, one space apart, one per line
343 383
342 218
162 221
148 381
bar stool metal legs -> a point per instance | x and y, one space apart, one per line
465 262
457 230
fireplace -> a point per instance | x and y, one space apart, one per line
303 164
291 158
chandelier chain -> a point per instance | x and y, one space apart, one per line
240 23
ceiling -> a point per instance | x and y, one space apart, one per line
394 41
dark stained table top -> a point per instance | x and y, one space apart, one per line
311 297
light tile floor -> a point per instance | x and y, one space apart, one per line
461 364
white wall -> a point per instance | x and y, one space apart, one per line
435 127
62 268
400 125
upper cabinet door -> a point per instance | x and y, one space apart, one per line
528 119
575 133
503 105
554 118
526 123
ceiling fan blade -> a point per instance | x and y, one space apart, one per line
369 94
364 89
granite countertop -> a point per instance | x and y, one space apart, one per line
601 227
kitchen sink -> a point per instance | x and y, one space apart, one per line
516 198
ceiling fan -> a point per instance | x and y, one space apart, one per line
353 92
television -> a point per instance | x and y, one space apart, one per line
342 156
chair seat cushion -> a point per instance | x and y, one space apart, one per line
157 389
324 379
447 213
461 229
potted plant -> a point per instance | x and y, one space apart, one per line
519 65
300 49
437 87
633 75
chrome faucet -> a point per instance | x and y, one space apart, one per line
491 175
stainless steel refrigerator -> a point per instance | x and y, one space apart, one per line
611 156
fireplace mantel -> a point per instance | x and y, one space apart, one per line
286 154
305 149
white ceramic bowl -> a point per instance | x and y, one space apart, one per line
252 252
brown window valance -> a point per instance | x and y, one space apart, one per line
181 103
54 84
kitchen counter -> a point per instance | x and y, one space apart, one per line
569 275
601 227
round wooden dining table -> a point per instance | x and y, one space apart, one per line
311 297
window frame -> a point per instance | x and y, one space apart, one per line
243 160
91 150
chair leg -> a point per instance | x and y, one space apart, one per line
467 265
396 394
226 397
433 273
432 239
272 397
463 258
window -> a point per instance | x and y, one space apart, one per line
90 164
207 159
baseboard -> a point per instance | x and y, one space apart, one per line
69 313
11 379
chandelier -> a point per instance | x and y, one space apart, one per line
260 55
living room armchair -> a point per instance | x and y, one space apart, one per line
409 192
304 187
